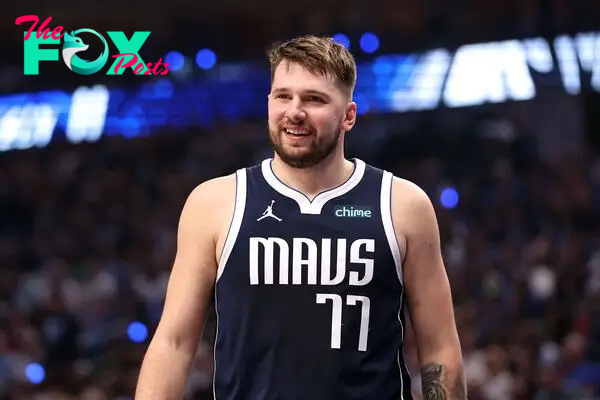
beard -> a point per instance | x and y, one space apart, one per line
304 156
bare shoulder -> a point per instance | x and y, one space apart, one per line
210 207
213 191
210 198
408 199
413 214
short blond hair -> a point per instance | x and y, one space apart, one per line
317 54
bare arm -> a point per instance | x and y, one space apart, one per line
429 296
170 356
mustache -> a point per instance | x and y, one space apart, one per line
296 126
288 124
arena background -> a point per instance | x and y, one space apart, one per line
491 107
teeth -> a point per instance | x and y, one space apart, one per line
296 132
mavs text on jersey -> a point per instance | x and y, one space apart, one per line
309 294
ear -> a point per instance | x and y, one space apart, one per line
349 117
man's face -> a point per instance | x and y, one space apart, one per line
307 115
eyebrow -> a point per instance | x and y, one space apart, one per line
310 91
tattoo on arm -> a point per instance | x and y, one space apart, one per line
431 382
434 384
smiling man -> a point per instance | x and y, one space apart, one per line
313 258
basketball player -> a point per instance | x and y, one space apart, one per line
313 258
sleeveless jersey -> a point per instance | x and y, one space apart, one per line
309 295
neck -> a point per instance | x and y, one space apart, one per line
328 174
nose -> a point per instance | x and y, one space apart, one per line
295 112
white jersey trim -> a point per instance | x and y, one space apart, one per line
390 233
236 220
316 205
232 234
388 224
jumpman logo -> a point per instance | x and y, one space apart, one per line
269 213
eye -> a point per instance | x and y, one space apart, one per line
283 96
315 99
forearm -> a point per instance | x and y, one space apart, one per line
442 377
164 372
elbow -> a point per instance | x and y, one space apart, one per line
173 341
447 350
449 356
443 346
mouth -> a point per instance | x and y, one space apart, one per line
297 133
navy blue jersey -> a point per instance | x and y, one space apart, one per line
309 295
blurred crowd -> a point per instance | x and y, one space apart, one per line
87 240
522 250
86 244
